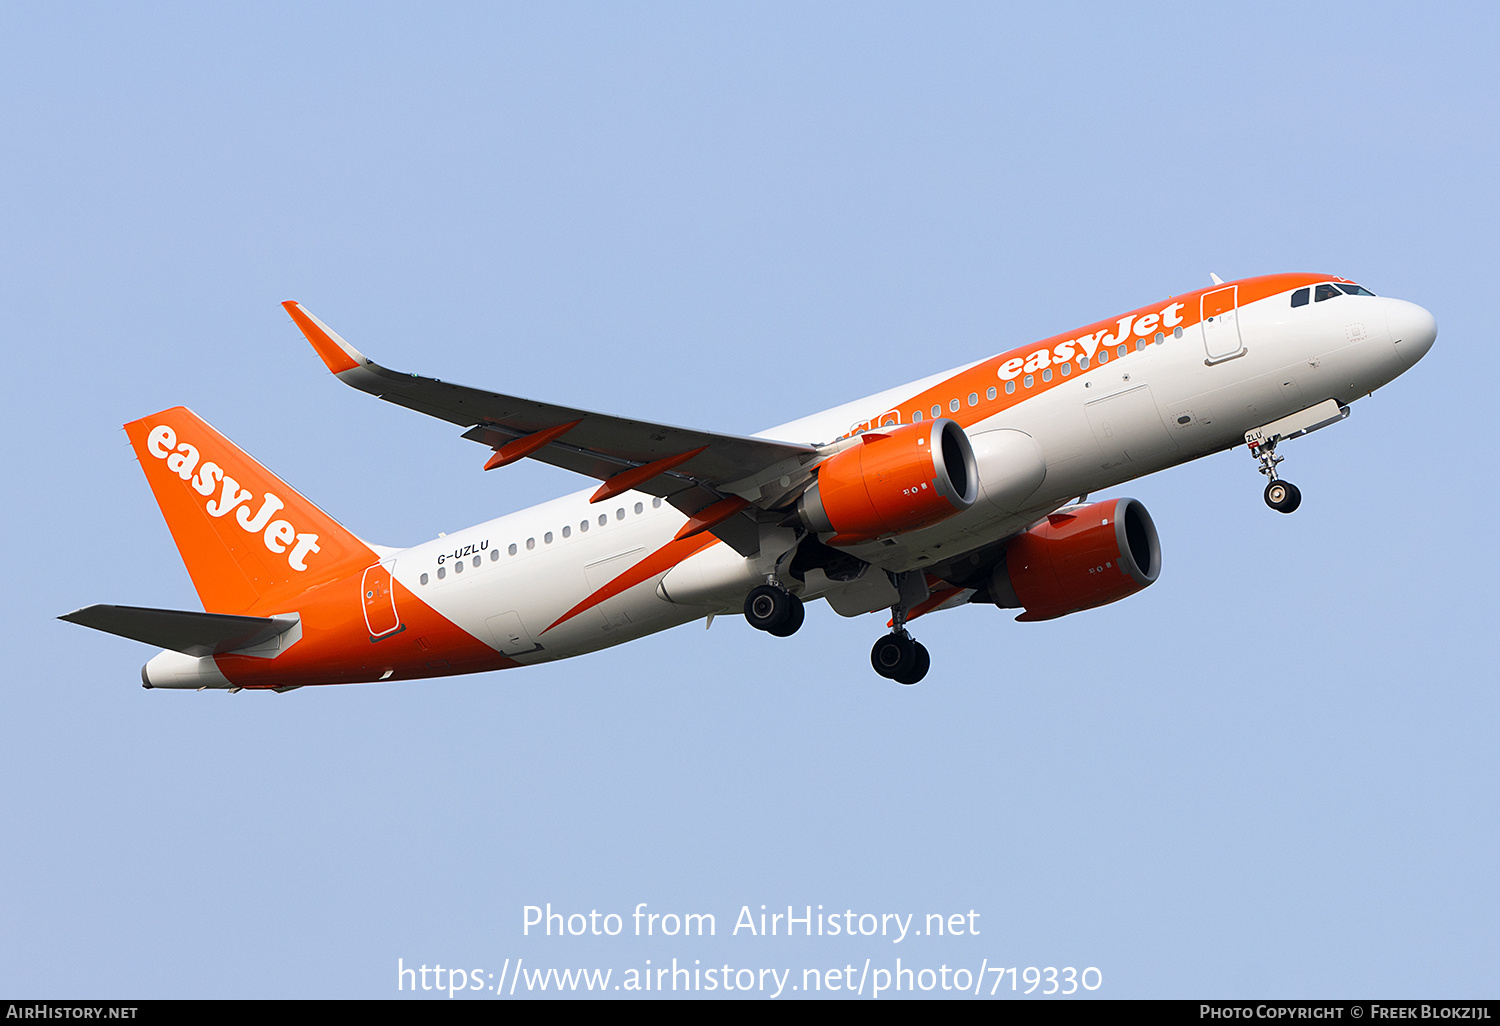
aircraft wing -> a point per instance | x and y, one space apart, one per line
725 478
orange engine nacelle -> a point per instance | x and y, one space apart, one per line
895 480
1079 558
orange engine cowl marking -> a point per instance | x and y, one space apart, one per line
1100 554
895 481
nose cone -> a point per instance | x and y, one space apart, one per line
1412 327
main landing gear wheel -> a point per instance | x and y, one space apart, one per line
900 658
919 670
793 622
1283 496
778 613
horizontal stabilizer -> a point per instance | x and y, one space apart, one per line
194 634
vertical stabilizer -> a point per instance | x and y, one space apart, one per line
249 540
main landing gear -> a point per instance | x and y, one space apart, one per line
1282 496
774 610
898 656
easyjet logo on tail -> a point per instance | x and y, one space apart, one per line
207 478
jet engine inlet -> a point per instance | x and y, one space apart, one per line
1079 558
894 480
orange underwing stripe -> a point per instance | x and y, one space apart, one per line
523 447
711 515
937 598
663 559
628 479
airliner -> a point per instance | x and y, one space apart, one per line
968 486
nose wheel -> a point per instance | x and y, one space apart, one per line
774 610
1282 496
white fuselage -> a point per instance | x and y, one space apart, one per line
1161 404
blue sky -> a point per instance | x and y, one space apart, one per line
1271 774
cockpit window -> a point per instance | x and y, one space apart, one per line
1327 292
1299 298
1356 290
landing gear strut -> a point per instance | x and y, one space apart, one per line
774 610
898 656
1282 496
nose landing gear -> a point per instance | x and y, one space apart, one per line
1282 496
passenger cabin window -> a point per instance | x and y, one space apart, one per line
1326 292
1300 297
1356 290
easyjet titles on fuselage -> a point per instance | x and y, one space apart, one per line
1087 345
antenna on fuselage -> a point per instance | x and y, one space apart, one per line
1216 279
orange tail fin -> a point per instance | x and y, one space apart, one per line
249 540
